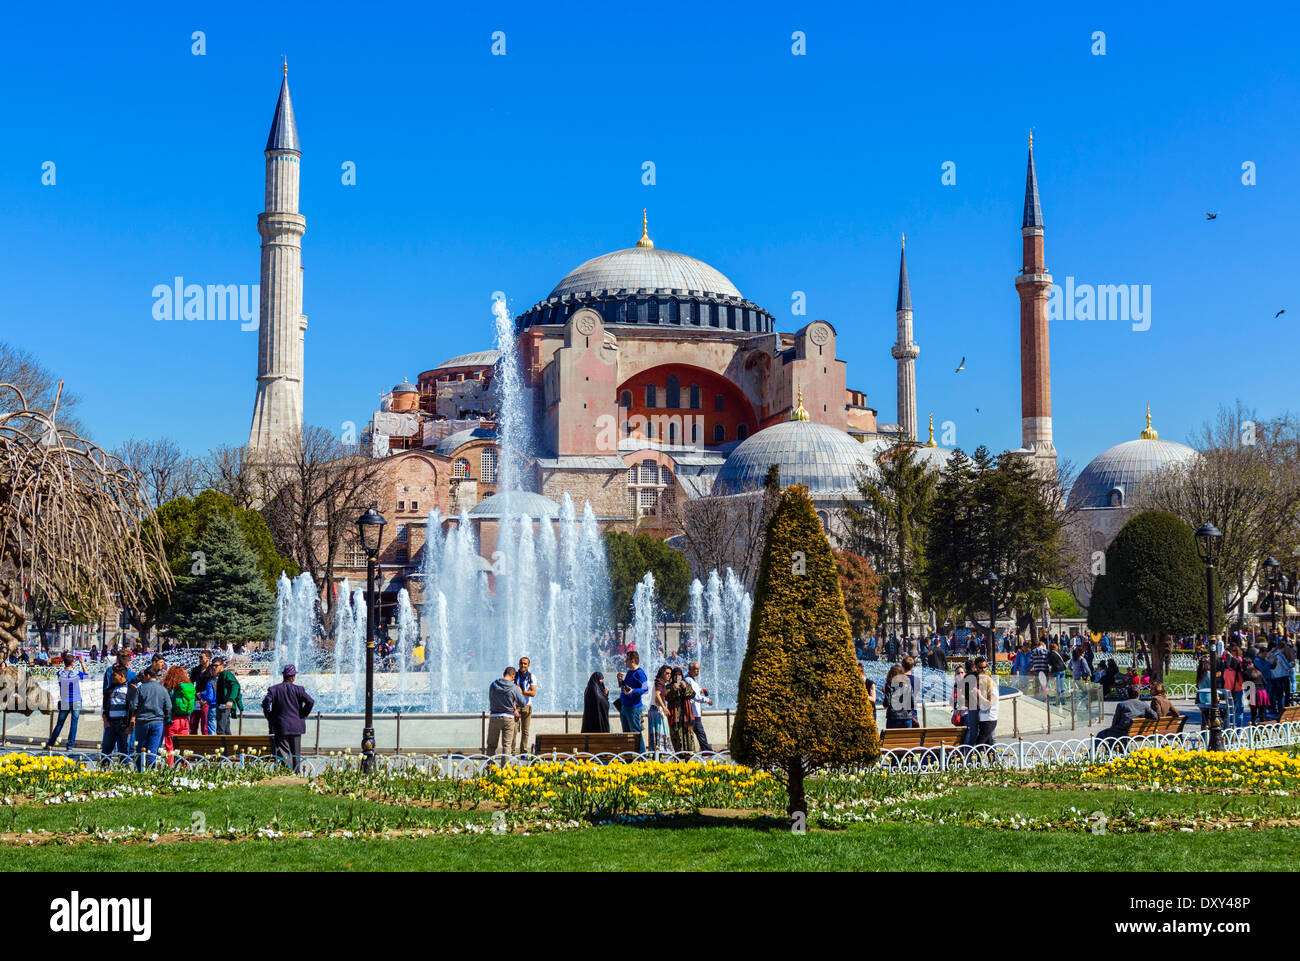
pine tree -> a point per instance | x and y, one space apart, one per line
223 596
802 703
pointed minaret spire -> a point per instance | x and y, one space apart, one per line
905 351
1034 285
645 240
284 132
1033 209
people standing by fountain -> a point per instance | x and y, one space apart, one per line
69 698
177 683
229 694
287 707
504 702
660 738
699 701
595 706
632 687
151 714
200 674
117 714
527 684
681 713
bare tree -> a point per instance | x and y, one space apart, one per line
1246 482
230 471
166 472
74 527
720 532
321 486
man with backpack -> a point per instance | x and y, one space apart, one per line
230 698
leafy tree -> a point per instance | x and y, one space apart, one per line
1154 584
861 589
888 522
631 556
222 597
992 515
802 704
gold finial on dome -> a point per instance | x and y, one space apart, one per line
904 243
1149 433
286 66
1031 139
645 240
799 413
930 442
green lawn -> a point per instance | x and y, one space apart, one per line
908 839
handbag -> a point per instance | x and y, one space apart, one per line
956 718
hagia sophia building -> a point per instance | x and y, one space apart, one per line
654 382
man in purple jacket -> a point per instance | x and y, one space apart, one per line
287 707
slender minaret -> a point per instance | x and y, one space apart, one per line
1034 285
277 412
905 352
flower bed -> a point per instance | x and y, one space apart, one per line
1255 771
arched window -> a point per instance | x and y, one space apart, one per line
488 465
672 431
674 392
742 432
625 400
695 396
695 432
460 468
650 395
719 434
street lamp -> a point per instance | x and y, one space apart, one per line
370 531
1207 545
991 580
1272 573
893 614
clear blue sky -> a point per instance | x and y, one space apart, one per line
479 173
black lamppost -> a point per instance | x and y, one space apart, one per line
1272 573
991 580
370 531
893 618
1207 545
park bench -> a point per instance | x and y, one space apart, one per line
921 739
1144 726
231 745
1290 715
612 743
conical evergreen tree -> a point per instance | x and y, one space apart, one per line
802 703
223 597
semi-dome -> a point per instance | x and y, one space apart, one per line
1112 477
516 503
449 444
645 286
822 458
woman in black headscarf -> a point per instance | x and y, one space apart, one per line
595 706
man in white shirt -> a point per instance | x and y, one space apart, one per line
699 701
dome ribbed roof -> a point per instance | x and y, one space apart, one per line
820 457
517 503
645 267
1124 466
447 446
478 358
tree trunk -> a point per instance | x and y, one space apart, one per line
1162 647
798 802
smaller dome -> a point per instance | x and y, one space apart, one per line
1121 469
448 445
822 458
516 503
406 387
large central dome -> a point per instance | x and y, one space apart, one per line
645 287
645 269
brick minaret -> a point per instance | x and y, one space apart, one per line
905 352
1034 284
277 412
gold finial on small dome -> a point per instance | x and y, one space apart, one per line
1149 433
286 66
904 244
799 413
1031 139
645 240
930 442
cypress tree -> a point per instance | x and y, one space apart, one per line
802 704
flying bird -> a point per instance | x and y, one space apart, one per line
1210 216
961 366
1279 313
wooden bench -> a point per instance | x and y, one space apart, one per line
230 745
1290 715
612 743
1145 726
921 738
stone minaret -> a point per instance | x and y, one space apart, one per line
1034 284
277 412
905 352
